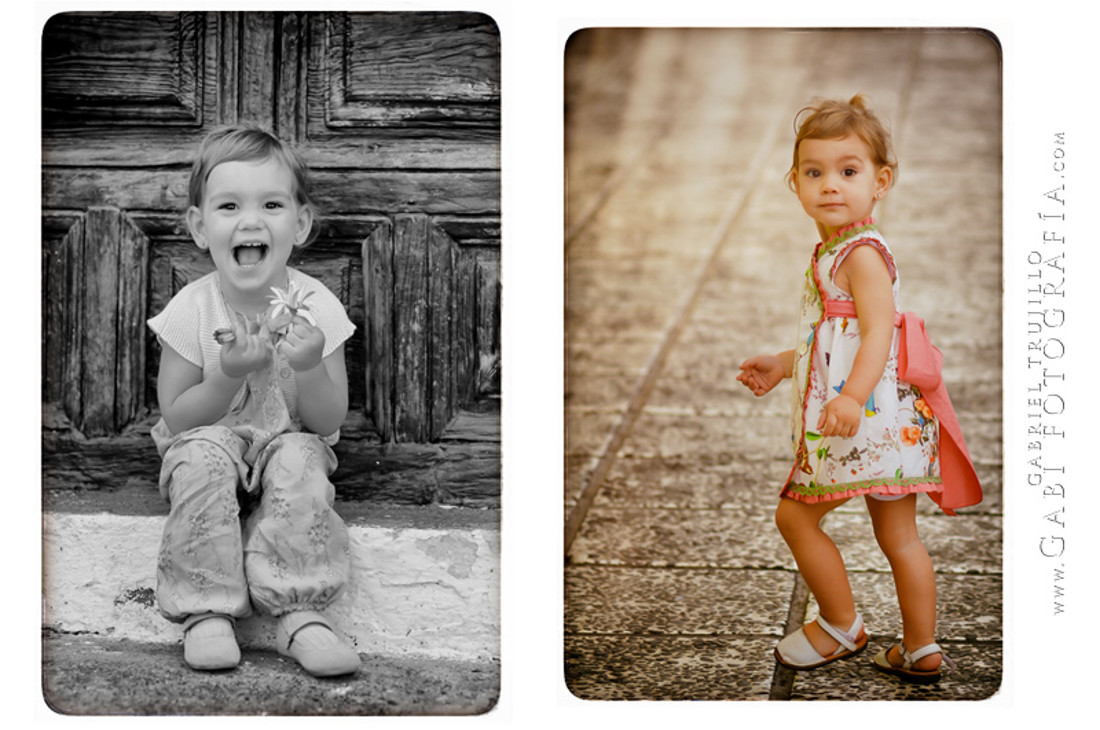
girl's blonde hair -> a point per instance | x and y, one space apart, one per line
248 143
833 119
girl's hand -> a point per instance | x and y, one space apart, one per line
247 352
841 417
761 373
303 345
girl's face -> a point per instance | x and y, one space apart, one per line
250 221
838 183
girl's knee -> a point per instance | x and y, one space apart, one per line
302 451
896 539
201 464
792 517
212 447
300 463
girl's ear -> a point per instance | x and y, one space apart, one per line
305 225
884 180
196 227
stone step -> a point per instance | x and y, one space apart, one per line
425 580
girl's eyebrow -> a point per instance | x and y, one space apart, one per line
842 160
847 159
273 193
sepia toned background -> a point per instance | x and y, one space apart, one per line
684 255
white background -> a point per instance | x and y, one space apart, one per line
1049 65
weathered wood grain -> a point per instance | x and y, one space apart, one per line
357 191
464 350
72 369
457 473
474 426
488 321
122 68
375 149
292 40
410 324
441 397
378 285
256 76
133 268
394 69
99 325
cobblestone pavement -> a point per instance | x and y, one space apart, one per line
684 256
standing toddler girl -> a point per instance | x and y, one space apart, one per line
252 391
859 427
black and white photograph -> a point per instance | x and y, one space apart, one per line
271 362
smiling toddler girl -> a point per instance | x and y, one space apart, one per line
859 426
252 389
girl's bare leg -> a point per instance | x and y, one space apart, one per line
895 524
821 565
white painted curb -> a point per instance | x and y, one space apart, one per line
413 592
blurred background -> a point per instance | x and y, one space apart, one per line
684 255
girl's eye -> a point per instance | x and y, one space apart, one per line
273 205
850 171
227 206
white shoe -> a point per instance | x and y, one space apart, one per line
796 652
335 658
214 646
906 670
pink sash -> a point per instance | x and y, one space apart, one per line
921 363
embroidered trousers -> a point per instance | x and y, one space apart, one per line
240 535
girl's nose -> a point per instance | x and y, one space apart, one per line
249 218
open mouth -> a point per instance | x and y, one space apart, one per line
249 253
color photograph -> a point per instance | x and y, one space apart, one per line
740 459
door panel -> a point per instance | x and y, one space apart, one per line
397 115
123 69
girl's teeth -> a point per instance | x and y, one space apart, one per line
249 255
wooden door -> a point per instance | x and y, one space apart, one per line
397 115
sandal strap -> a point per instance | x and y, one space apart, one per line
920 653
933 648
847 639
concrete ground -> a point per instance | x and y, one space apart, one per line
684 256
422 609
94 675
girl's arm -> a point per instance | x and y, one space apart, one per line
186 400
322 381
865 276
323 394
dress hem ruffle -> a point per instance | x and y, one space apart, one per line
889 490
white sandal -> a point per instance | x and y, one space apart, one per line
906 670
796 652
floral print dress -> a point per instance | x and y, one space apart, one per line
895 451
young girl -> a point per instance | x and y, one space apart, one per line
857 427
252 391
